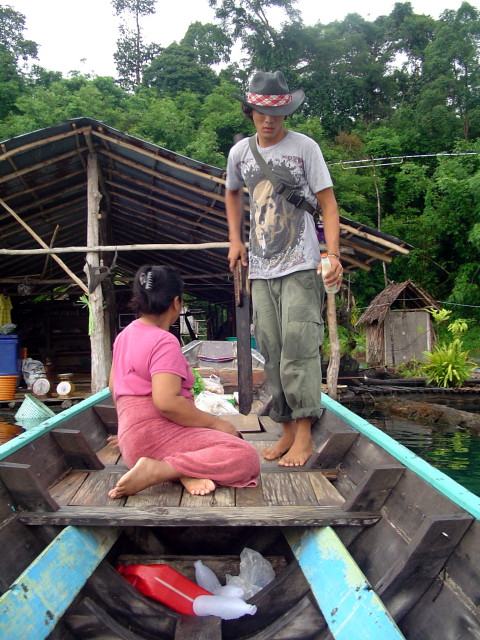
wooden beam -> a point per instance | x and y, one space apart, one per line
100 337
39 597
155 156
286 516
44 245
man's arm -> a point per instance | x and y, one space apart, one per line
234 208
331 226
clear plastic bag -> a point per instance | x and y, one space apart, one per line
215 404
255 573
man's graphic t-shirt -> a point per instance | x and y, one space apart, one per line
282 238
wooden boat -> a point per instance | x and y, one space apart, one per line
367 540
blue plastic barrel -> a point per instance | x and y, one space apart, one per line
9 360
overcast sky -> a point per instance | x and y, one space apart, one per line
82 35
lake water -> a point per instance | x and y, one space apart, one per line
456 453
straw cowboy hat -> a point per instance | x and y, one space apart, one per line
269 94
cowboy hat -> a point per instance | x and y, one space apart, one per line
269 94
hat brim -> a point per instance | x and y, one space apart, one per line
297 98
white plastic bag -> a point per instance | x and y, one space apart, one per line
255 573
213 384
31 370
215 404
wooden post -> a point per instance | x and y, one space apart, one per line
334 363
100 359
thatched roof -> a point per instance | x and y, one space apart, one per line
404 295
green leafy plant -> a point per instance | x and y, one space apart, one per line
410 369
447 365
199 384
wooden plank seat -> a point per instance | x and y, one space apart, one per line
350 605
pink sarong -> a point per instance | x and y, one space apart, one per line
195 452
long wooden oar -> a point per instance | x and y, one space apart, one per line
244 349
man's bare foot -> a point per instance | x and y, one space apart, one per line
198 486
296 456
279 448
145 473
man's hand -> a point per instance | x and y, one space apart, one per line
237 251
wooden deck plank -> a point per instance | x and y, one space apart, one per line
250 496
64 490
27 611
325 492
243 423
109 454
221 497
94 491
288 489
303 516
166 494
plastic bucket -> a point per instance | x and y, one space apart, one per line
9 360
253 342
8 385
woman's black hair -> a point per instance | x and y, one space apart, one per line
154 289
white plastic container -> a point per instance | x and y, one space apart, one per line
223 607
205 577
326 266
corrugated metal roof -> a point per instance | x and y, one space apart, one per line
150 195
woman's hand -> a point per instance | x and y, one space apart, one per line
219 424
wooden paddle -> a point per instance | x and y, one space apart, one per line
244 349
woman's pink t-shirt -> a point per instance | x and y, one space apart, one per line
139 352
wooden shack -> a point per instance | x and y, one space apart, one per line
399 327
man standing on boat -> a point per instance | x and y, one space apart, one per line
284 255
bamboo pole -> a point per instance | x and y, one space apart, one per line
334 361
45 246
43 141
376 239
114 247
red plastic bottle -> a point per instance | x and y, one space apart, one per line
162 583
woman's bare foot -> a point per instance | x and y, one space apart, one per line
198 486
113 441
145 473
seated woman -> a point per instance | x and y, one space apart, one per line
161 434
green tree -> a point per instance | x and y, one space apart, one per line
132 54
12 25
211 44
177 69
249 22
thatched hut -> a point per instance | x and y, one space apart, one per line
399 327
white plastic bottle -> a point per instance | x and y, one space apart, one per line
222 606
326 266
230 591
205 577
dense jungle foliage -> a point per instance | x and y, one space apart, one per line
403 89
